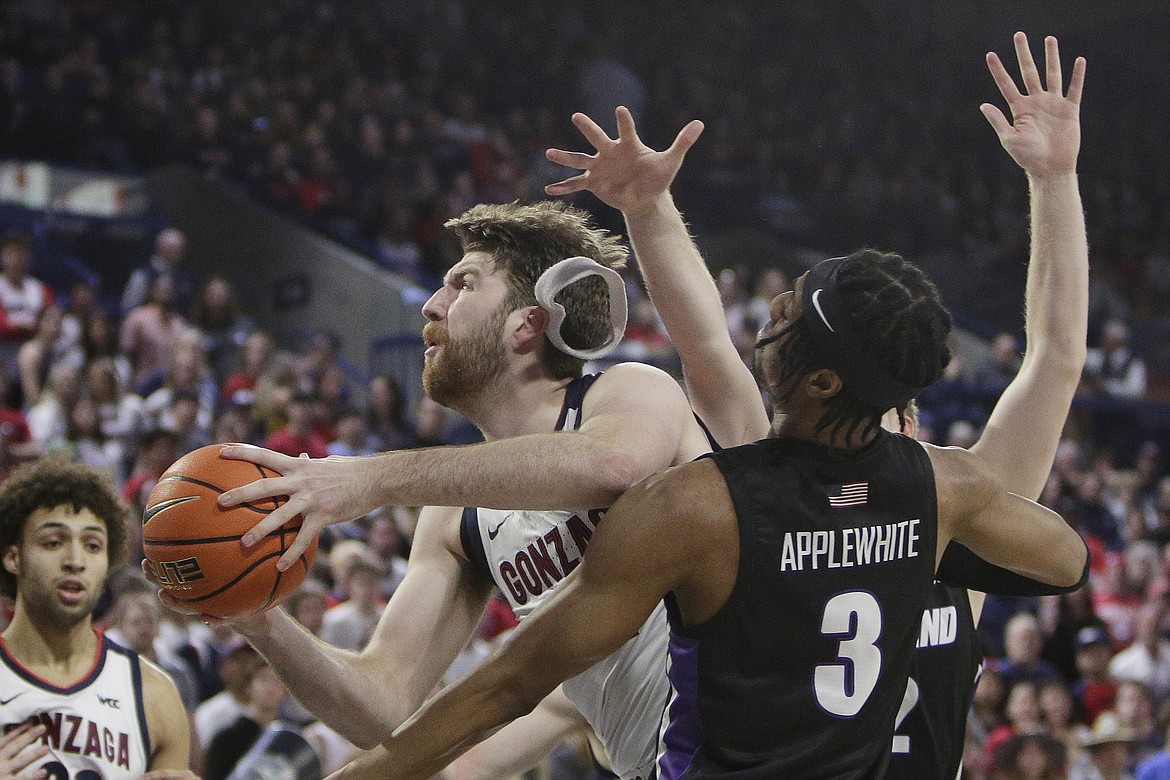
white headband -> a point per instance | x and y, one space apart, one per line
560 276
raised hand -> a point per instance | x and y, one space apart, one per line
624 173
1044 134
18 753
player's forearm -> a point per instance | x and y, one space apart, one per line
539 471
677 276
721 388
332 683
1058 273
448 725
521 744
1021 437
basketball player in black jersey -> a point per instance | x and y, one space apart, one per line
1025 426
626 174
790 655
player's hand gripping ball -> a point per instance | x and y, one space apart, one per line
193 546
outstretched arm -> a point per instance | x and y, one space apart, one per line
1020 440
635 179
521 744
364 696
635 421
636 556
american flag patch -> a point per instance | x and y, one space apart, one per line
853 494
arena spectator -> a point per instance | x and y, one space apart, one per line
1023 643
351 623
1107 754
223 326
149 334
1094 691
386 416
265 695
1147 660
170 249
297 435
224 707
1113 369
22 297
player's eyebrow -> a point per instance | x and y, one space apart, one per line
57 525
457 273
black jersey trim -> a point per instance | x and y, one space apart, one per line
139 696
574 398
99 663
472 540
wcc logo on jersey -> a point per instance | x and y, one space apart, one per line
852 494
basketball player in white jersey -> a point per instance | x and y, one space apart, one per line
637 178
508 335
94 709
1024 429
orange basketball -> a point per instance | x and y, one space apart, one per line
194 547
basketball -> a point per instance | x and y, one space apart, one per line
193 546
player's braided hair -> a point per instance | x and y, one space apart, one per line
52 482
896 313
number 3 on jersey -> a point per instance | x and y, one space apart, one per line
841 688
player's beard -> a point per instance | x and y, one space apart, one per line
43 602
464 367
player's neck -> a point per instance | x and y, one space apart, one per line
515 406
60 655
801 424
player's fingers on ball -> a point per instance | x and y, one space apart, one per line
257 455
258 490
296 549
273 521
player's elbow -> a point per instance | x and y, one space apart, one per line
1061 360
1075 565
614 473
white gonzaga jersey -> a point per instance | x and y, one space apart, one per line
95 728
527 553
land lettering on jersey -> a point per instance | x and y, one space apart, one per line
67 733
847 547
940 626
545 561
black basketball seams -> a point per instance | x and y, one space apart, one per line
216 488
233 582
274 499
279 532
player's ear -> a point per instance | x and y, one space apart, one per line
823 384
12 559
529 332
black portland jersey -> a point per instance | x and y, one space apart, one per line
932 724
802 672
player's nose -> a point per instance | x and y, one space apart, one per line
436 306
74 557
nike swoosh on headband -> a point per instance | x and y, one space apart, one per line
816 302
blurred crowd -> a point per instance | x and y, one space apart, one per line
375 121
